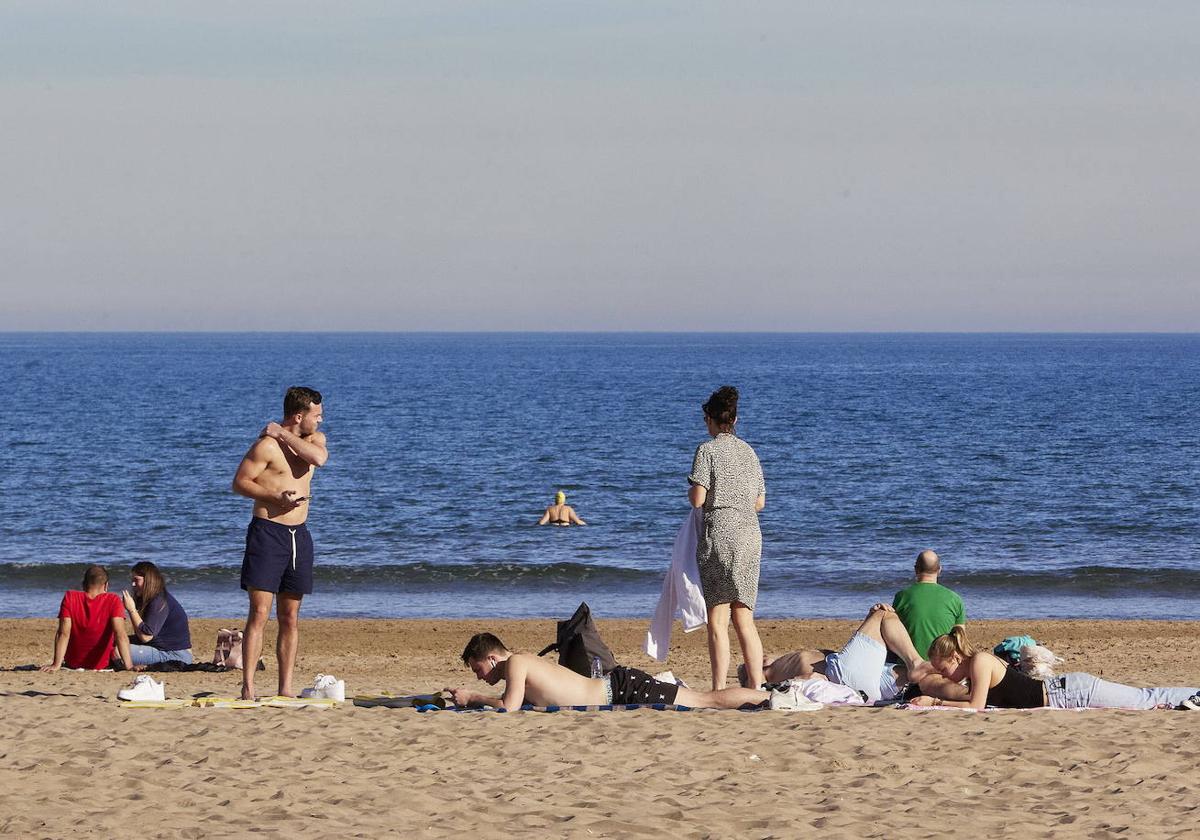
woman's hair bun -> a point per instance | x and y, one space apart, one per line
722 406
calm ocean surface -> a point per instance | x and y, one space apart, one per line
1057 475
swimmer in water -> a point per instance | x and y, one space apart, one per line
560 513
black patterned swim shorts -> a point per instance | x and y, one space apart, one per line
631 686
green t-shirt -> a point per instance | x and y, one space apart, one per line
928 610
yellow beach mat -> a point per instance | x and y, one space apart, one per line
155 704
225 703
301 702
401 701
233 703
276 702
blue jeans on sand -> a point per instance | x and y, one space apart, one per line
146 655
1078 690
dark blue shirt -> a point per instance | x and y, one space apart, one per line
166 621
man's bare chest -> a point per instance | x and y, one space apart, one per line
287 464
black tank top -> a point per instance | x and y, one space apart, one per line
1017 691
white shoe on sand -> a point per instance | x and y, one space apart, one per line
144 687
327 687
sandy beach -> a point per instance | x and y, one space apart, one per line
73 763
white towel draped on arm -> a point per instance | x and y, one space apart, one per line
681 590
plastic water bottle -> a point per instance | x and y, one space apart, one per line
597 668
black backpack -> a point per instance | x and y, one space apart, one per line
579 645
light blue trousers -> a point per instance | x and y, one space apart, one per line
1078 690
146 655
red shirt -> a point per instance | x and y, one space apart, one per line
91 642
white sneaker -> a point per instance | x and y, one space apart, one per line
791 699
326 686
144 687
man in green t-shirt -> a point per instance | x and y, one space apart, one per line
928 609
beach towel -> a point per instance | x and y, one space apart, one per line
403 701
658 707
232 703
225 703
173 666
155 704
265 703
615 707
990 709
681 593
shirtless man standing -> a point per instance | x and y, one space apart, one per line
529 678
277 474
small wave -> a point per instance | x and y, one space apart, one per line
1091 579
1087 580
1098 580
365 576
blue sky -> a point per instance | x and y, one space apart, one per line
675 166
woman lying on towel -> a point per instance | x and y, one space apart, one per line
992 683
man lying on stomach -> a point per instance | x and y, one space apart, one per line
530 679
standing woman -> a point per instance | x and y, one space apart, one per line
727 481
160 625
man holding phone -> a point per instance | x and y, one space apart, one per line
277 475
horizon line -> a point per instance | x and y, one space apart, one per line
593 332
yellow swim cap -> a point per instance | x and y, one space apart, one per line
560 497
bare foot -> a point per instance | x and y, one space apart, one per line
247 693
919 671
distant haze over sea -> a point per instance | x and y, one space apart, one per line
1057 475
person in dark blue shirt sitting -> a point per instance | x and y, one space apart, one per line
160 625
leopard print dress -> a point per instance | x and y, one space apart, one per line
730 546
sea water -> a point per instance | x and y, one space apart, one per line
1056 475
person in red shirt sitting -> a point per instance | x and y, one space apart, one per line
89 622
